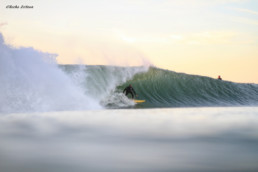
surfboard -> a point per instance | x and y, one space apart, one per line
138 101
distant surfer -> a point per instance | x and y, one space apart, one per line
129 90
219 78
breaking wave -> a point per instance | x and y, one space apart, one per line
32 81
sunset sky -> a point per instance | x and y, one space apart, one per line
203 37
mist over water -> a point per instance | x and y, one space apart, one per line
31 81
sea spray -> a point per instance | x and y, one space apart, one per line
31 81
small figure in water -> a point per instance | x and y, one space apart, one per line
219 78
130 90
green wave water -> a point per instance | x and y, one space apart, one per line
160 88
163 88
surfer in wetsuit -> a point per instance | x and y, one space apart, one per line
129 90
219 78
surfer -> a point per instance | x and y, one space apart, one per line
130 90
219 78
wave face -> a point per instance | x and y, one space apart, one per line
162 88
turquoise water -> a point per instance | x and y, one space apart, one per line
177 139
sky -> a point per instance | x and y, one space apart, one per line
200 37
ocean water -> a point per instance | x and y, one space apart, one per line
76 118
174 139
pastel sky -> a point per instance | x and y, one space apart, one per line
203 37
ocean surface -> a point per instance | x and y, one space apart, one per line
76 118
199 139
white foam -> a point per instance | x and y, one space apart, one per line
31 81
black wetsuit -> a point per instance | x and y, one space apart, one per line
129 90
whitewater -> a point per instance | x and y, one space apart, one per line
62 118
